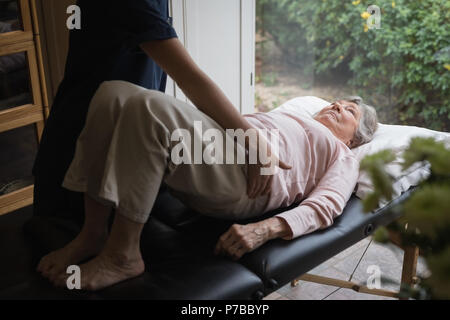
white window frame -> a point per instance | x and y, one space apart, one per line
182 11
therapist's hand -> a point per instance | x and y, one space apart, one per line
240 239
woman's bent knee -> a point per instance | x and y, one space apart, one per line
112 95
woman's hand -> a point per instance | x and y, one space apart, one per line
260 174
240 239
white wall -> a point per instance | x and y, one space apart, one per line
219 35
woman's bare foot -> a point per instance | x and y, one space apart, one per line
82 247
106 270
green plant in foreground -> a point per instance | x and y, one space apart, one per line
426 213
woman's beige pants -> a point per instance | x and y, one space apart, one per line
123 154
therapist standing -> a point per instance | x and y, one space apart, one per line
133 41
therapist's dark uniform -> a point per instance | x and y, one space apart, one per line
105 48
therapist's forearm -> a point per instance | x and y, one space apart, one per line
210 99
175 60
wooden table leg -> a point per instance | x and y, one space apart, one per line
410 265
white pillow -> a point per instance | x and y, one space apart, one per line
397 138
394 137
306 105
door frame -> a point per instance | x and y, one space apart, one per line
247 20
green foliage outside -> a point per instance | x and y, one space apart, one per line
405 64
426 212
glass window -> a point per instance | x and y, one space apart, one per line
395 55
15 88
10 16
18 151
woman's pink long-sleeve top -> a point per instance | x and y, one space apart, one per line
324 170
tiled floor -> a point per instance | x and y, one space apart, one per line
388 258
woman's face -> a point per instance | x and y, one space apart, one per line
342 118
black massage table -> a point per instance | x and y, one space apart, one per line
177 246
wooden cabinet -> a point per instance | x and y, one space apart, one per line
23 94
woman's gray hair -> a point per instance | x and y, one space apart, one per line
368 123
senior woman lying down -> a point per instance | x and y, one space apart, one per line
124 153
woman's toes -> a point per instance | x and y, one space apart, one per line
39 267
59 280
47 271
43 264
51 271
90 285
82 247
54 276
48 263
